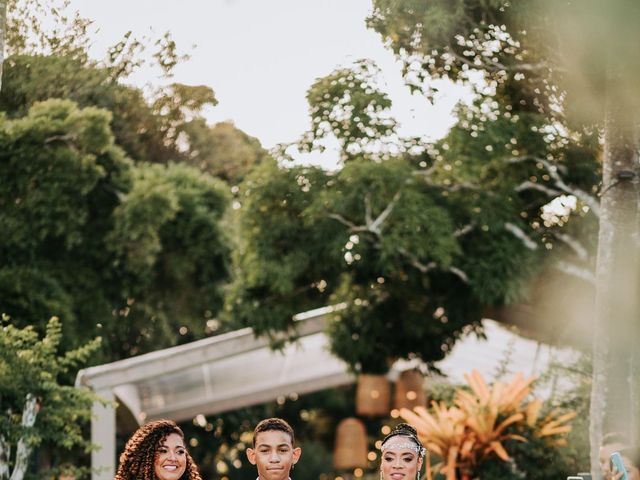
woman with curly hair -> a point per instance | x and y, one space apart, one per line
157 451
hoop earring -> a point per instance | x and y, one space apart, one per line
381 475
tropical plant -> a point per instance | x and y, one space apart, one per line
482 422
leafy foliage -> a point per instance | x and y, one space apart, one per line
427 240
147 132
33 368
348 104
180 254
391 250
277 272
223 150
169 128
118 241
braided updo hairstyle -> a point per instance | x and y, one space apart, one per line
138 458
407 431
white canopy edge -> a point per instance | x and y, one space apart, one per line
169 360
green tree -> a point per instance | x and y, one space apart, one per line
223 150
168 236
572 65
37 409
415 261
134 253
419 245
607 93
169 128
437 232
147 132
275 261
349 105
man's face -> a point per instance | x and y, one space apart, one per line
273 455
604 456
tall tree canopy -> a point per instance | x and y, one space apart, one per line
419 237
110 247
107 225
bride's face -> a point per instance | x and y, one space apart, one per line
399 462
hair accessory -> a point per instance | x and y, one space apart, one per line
404 430
419 449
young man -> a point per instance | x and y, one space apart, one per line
274 452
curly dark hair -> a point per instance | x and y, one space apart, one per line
139 455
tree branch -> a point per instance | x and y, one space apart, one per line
590 200
528 185
347 223
415 262
367 210
462 275
585 197
576 271
377 223
373 226
497 66
575 245
3 28
464 230
465 185
426 172
519 233
61 138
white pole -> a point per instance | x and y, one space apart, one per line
103 436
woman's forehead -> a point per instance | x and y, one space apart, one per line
399 443
172 440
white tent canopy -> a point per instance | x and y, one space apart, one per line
236 369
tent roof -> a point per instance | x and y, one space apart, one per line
236 369
220 373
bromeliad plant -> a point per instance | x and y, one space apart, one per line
476 428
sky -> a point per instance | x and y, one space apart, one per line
260 57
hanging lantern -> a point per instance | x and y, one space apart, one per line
372 395
410 390
351 445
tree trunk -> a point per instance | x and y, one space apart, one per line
613 396
23 450
5 457
3 27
